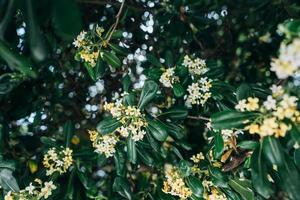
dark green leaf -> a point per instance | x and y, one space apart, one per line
231 119
149 90
108 125
273 150
158 130
243 187
111 59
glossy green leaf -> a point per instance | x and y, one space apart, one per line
175 113
8 181
243 187
219 145
131 150
69 129
231 119
111 59
195 185
16 61
259 174
153 60
158 130
273 150
120 162
149 90
108 125
122 187
178 90
36 39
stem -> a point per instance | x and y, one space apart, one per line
198 117
114 26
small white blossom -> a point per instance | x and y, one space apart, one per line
270 103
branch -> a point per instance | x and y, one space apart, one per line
116 22
198 117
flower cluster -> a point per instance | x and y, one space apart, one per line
174 183
168 78
132 123
211 192
288 62
276 110
104 144
199 92
196 66
57 160
35 190
131 118
88 49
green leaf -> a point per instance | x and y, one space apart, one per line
219 145
48 141
195 185
84 179
108 125
185 168
178 90
248 144
122 187
126 81
131 150
243 91
64 12
111 59
8 181
99 69
218 178
119 50
158 130
120 162
289 179
259 174
69 129
8 17
231 119
297 157
153 60
70 187
16 61
90 71
273 150
176 131
243 187
145 157
169 59
175 113
149 90
10 81
36 39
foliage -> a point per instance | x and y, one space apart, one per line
149 99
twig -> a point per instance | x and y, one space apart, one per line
116 22
198 117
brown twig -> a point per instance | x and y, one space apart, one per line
198 117
114 26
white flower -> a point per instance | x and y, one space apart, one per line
196 66
79 41
270 103
242 105
199 92
30 188
168 78
276 90
288 62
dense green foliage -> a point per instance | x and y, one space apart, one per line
114 89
